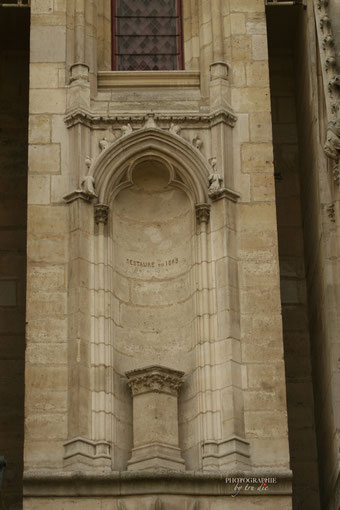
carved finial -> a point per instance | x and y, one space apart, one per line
88 162
332 145
150 121
126 130
330 62
101 213
197 143
103 144
88 185
325 21
175 129
202 213
331 212
328 42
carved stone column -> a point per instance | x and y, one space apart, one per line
155 418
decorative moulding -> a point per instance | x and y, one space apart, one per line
155 379
77 194
227 193
222 454
189 120
331 82
116 79
83 452
47 483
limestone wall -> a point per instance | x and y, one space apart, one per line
93 312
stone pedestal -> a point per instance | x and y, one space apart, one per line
155 418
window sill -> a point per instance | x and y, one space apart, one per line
114 79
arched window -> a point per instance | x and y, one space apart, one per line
146 35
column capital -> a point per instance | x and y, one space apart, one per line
154 379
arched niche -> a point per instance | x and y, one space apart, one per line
158 295
152 230
147 261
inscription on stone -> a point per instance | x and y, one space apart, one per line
163 263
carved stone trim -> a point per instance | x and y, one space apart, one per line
101 213
154 379
192 120
327 56
331 212
227 193
202 212
77 194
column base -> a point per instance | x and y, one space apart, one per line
156 456
231 453
82 453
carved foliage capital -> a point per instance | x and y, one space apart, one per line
154 379
202 213
101 213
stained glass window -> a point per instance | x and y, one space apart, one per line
146 35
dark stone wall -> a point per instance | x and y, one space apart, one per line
14 58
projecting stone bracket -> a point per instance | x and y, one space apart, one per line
81 453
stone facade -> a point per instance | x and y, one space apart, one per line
182 263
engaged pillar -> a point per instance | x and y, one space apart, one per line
155 418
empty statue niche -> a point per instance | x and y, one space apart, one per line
152 232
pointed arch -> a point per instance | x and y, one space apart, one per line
192 168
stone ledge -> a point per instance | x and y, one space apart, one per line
115 79
46 483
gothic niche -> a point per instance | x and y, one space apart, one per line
152 231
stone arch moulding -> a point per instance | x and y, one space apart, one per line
111 164
210 388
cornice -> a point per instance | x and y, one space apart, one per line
101 121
